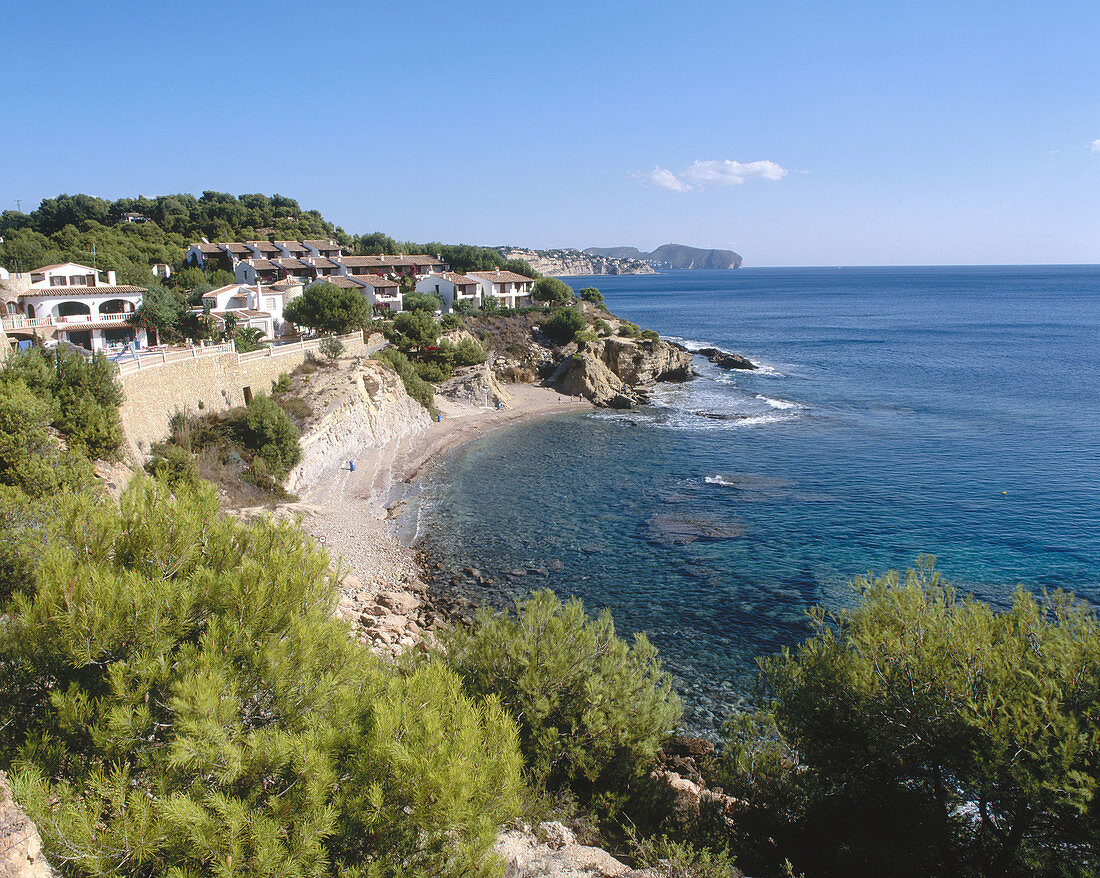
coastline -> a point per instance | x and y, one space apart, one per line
383 594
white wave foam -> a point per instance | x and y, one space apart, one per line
720 480
778 403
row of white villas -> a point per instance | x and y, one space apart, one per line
508 289
71 302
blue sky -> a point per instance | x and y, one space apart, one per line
797 133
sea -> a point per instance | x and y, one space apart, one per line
952 411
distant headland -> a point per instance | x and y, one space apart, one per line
674 257
623 260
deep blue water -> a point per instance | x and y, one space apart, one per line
954 411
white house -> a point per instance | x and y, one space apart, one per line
254 305
510 290
73 303
383 294
450 287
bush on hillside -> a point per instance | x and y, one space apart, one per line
591 294
564 324
552 290
469 353
592 710
429 302
450 321
176 699
331 347
604 328
629 330
650 335
271 435
921 733
82 397
415 386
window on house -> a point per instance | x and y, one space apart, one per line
57 281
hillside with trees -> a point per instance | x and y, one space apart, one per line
129 235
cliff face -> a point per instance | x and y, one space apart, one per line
617 373
574 262
359 412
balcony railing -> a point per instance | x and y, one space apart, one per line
18 321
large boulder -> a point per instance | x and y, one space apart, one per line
584 375
726 360
20 843
642 362
475 386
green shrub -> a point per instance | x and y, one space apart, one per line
271 435
173 465
922 733
564 324
450 321
429 302
604 328
592 710
331 347
650 335
436 775
82 397
30 460
415 386
628 330
433 371
591 294
281 385
584 337
552 290
469 353
176 699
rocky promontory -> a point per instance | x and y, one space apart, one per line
619 372
726 360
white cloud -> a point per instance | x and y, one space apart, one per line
701 174
1096 145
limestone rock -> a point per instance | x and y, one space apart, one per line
726 360
20 843
475 386
525 856
616 372
585 375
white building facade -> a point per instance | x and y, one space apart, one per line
510 290
451 287
73 303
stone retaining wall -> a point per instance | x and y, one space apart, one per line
208 383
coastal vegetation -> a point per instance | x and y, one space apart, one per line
176 698
73 227
326 308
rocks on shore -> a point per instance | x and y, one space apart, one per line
617 372
726 360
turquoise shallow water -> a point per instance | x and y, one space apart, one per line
947 410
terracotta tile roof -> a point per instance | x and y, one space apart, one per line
458 279
501 277
373 280
318 244
234 247
322 262
292 246
339 280
262 264
262 246
54 292
290 262
386 261
285 284
203 247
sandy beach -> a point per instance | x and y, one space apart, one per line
347 513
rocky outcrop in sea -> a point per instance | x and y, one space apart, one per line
618 372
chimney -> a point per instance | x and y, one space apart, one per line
111 282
